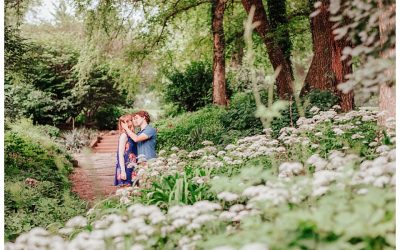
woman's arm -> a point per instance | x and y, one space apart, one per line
123 138
134 136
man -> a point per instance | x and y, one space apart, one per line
146 138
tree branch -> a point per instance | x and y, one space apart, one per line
171 15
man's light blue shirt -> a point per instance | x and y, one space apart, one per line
148 147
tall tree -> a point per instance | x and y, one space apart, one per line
327 70
275 53
219 83
279 24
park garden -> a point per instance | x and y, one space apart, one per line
275 123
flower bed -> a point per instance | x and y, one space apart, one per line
328 183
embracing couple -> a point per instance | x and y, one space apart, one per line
133 149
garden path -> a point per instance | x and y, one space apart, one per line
93 178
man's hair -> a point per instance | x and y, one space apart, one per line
144 114
123 118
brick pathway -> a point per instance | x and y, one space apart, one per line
94 177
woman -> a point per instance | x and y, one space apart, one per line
126 154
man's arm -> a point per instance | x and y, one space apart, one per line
134 136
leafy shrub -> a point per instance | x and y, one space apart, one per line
47 87
238 120
24 158
106 118
331 141
29 152
51 131
74 140
192 88
190 129
324 100
42 205
99 93
176 189
172 110
240 115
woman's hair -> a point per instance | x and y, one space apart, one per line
144 114
123 119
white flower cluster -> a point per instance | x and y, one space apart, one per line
237 212
379 172
126 193
251 246
74 223
141 223
289 169
227 196
37 238
294 183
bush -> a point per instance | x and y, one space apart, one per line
74 140
239 118
43 205
48 88
324 100
24 158
223 126
192 88
106 118
177 189
190 129
29 152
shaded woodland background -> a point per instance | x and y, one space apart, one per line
114 56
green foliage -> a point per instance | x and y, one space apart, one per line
42 205
238 120
192 88
324 100
106 118
78 138
98 93
15 46
24 158
43 89
359 145
365 222
47 89
177 189
240 115
190 129
29 152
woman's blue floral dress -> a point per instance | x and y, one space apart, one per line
130 163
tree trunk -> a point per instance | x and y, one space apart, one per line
279 24
327 71
219 83
341 68
387 93
275 53
237 56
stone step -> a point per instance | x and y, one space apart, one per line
110 137
108 143
103 151
108 140
106 147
